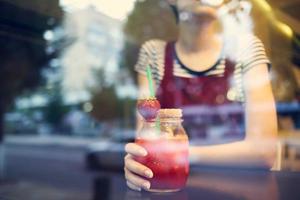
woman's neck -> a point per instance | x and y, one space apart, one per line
196 36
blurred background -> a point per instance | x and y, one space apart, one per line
68 87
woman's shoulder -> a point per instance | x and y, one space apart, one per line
252 41
152 54
155 42
154 46
249 42
250 37
250 51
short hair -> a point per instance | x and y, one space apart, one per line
175 12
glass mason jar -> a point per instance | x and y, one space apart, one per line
167 145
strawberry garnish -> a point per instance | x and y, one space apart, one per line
148 108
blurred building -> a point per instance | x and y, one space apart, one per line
92 59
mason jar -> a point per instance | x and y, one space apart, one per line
167 146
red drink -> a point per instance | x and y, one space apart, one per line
168 160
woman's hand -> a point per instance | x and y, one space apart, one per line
135 171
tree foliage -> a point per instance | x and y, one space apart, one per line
23 50
150 19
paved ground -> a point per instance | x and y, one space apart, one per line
46 169
64 141
22 190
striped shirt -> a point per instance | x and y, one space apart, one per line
252 53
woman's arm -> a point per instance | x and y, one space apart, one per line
259 147
257 150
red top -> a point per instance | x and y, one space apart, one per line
207 112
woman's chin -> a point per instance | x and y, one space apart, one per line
202 11
205 10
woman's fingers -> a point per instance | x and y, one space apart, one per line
137 167
133 168
135 149
135 180
133 187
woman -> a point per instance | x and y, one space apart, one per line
199 58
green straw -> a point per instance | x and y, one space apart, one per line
149 77
152 94
157 125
